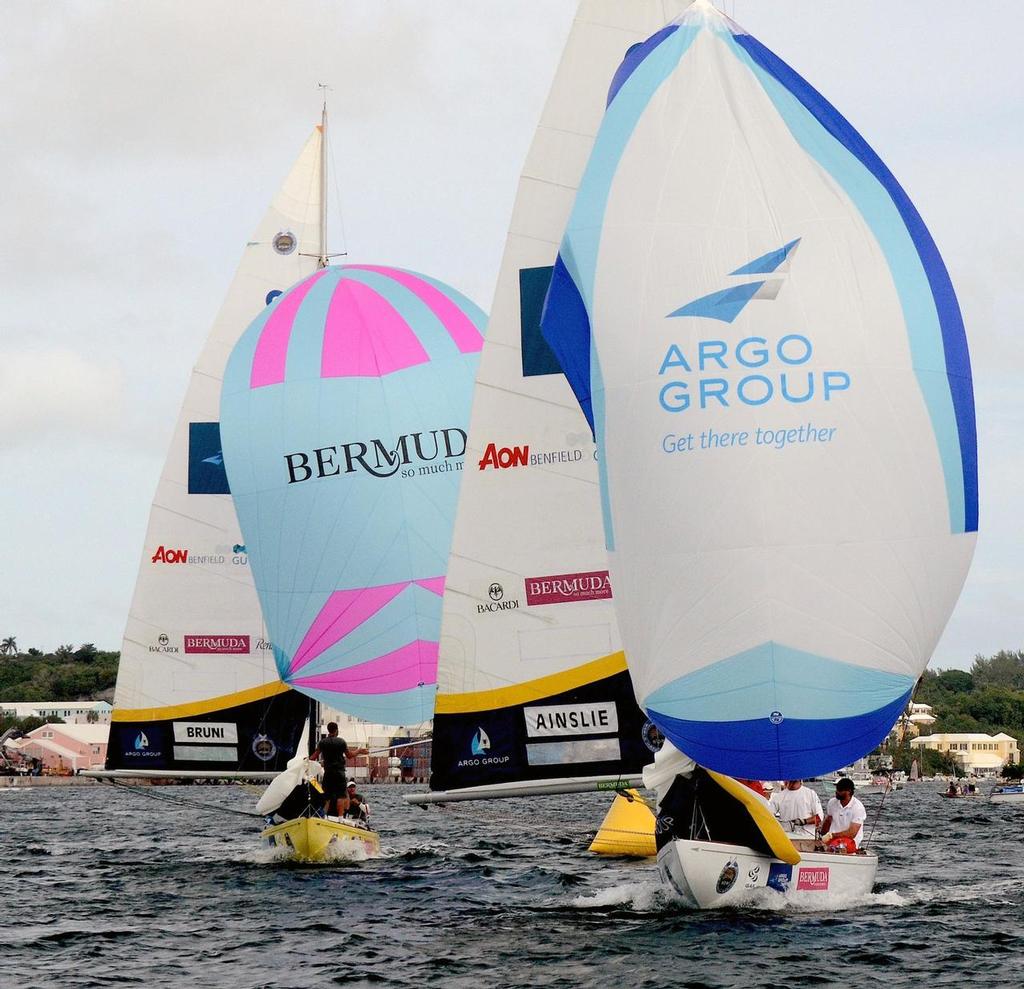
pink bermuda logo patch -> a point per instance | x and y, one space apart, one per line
593 586
813 879
220 644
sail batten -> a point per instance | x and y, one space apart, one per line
762 334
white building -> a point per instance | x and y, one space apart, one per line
72 712
977 753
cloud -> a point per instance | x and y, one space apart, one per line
58 395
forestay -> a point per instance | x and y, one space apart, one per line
197 687
765 339
532 679
343 420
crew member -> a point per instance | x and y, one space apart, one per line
332 752
845 815
798 809
363 811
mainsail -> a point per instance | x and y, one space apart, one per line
532 682
343 420
197 686
766 342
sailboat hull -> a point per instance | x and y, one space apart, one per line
710 875
320 839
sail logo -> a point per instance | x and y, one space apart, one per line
815 879
164 644
264 748
727 304
507 456
727 877
378 459
141 742
165 555
481 744
497 603
783 378
205 731
230 645
571 719
593 585
206 472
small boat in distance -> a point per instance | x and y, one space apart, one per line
1008 793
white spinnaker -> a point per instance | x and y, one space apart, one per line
537 521
215 598
842 549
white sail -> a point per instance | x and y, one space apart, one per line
758 323
530 655
194 643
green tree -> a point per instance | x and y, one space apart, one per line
86 652
1013 771
9 646
64 652
1004 669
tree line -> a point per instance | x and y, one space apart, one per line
69 673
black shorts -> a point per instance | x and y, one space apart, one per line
334 783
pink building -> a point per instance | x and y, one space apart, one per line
65 748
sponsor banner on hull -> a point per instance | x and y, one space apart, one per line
814 878
235 645
205 731
571 719
563 588
206 753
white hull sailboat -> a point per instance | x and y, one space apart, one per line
709 875
762 336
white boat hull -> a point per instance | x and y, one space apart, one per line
710 875
1007 798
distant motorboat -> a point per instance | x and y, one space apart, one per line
1008 794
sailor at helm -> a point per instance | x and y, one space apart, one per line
798 809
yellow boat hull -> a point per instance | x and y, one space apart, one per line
321 839
627 829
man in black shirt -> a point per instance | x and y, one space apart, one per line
332 752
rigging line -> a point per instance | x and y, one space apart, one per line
183 801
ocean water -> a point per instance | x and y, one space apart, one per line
109 887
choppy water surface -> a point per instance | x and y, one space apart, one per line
104 887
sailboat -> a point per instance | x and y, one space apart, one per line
533 692
197 690
333 441
766 343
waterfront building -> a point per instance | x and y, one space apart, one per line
408 763
72 712
978 754
64 748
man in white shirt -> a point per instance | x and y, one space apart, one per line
798 809
844 820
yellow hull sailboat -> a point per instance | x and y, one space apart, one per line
322 839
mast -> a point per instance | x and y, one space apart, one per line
323 180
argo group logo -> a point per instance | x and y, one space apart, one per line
497 603
217 644
481 744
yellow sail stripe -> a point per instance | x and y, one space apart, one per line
193 708
532 690
765 820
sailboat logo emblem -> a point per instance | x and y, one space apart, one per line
141 742
481 743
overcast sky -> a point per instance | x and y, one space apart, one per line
143 141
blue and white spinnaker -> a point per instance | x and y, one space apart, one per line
765 340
